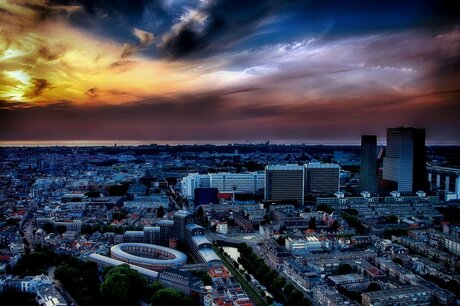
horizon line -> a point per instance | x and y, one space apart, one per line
112 143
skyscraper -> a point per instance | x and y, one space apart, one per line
292 182
368 176
322 178
404 162
285 182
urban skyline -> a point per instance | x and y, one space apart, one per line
225 71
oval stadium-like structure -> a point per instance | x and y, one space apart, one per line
149 256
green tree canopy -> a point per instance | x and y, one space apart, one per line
169 296
160 212
122 286
312 223
374 287
344 269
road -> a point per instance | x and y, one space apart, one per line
59 286
29 236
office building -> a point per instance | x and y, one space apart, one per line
206 196
293 182
404 162
322 178
285 182
166 232
445 181
368 175
251 182
181 218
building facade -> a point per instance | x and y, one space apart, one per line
405 160
398 296
322 178
445 181
285 182
250 182
368 175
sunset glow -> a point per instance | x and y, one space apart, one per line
264 70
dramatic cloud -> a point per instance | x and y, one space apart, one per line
145 40
227 69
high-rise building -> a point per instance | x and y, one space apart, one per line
322 178
404 162
292 182
285 182
368 175
226 182
181 218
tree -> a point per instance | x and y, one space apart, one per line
14 297
169 296
122 286
297 298
48 227
344 269
288 289
160 212
312 223
119 215
93 194
279 282
373 287
61 229
324 207
204 276
67 275
200 212
248 277
156 286
398 261
391 219
281 240
335 226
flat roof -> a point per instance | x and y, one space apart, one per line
51 296
182 213
346 278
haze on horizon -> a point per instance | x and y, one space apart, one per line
219 70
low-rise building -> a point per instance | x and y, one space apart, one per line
300 274
181 280
413 296
48 295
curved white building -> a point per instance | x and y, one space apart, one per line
149 256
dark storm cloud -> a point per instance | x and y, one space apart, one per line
233 21
229 24
218 116
225 22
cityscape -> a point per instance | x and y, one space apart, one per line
229 153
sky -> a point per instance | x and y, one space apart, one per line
316 71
